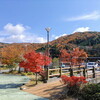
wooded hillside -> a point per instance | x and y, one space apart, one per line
89 41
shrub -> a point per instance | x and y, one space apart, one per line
90 92
73 80
73 86
29 73
23 74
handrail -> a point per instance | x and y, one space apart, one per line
72 70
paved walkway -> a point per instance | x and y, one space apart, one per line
48 90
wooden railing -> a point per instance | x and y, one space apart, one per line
74 70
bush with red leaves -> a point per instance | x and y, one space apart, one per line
73 80
73 86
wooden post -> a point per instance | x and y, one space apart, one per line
84 72
71 71
47 73
93 71
60 71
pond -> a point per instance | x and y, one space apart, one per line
9 88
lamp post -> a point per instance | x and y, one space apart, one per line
48 30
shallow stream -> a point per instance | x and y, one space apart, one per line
10 88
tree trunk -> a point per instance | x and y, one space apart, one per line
36 78
19 70
25 70
42 74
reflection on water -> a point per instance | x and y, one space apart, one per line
9 88
13 79
5 86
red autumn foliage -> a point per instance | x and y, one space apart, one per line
34 61
75 57
73 80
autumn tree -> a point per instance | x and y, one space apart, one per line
34 61
76 56
79 55
11 55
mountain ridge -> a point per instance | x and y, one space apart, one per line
89 38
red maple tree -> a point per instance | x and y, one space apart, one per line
75 56
34 61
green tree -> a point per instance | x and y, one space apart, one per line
55 62
54 51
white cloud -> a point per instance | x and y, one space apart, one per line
17 29
91 16
34 39
82 29
18 34
41 39
56 37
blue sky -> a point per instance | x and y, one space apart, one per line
26 20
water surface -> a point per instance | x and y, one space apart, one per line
10 88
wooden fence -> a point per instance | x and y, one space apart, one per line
74 71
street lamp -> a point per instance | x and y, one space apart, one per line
48 30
